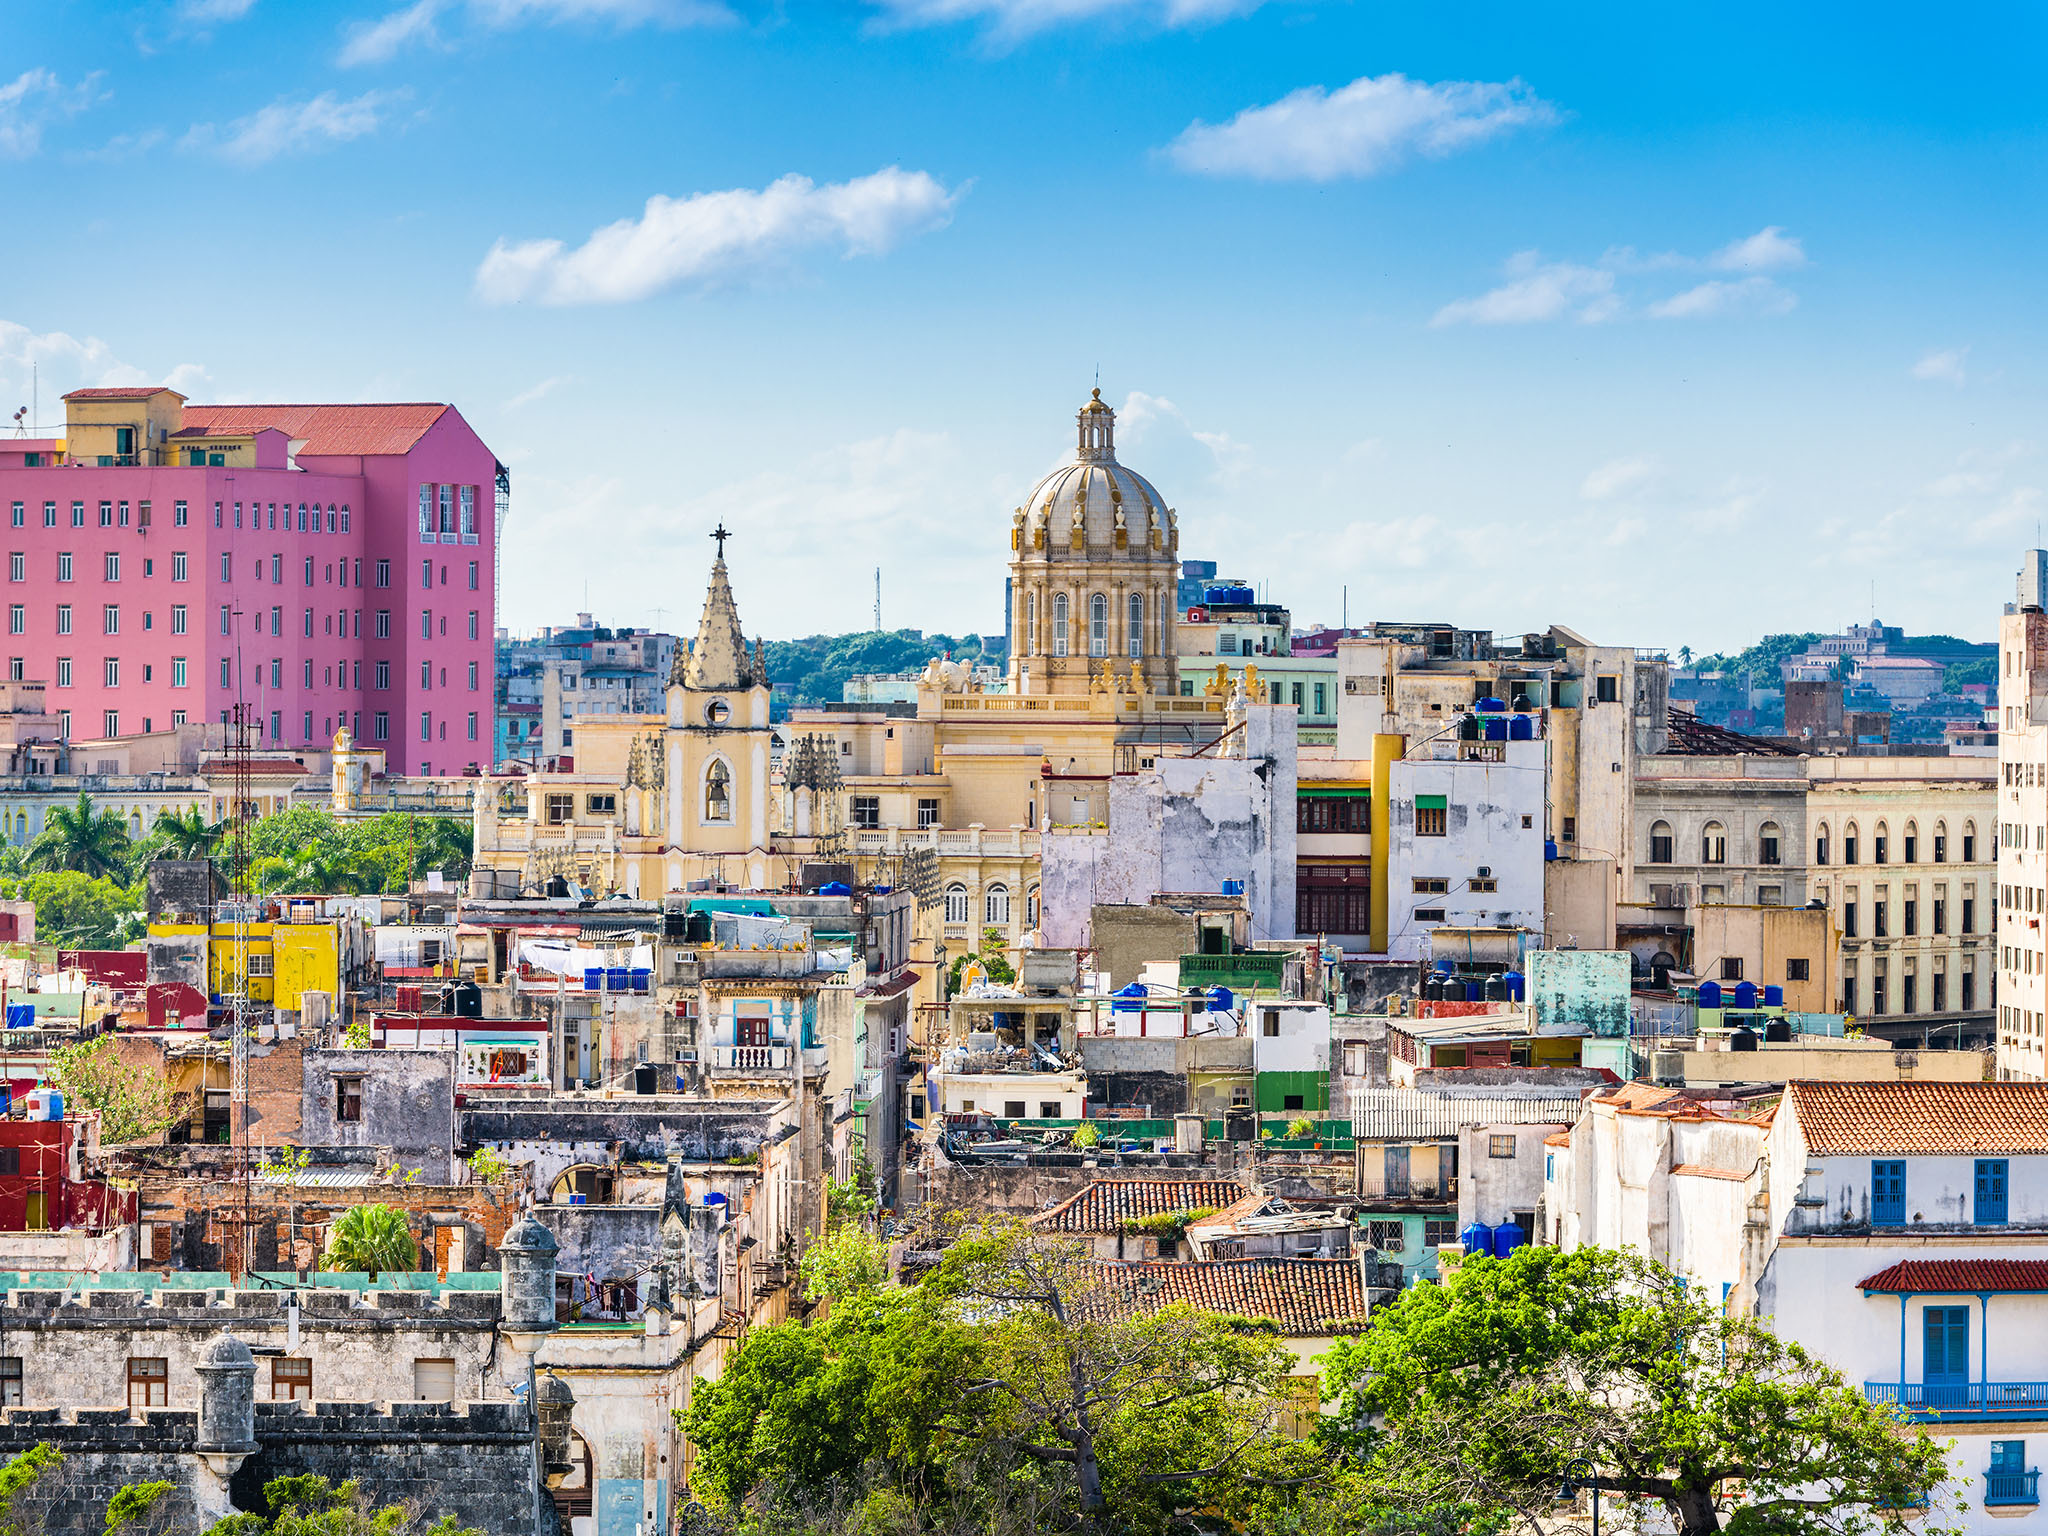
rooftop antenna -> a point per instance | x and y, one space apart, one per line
878 599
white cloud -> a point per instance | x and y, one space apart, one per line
204 11
538 392
286 127
1749 296
1944 367
1538 290
1616 476
30 101
714 236
1362 129
59 361
1768 250
1153 431
1018 18
123 146
375 41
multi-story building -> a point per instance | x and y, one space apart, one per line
321 565
546 682
2022 823
1230 630
1896 848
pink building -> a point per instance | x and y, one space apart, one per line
326 565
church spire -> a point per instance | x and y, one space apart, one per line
719 657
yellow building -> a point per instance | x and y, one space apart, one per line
285 960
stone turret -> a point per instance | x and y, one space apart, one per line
227 1397
526 1263
719 658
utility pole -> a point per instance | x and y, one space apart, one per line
878 599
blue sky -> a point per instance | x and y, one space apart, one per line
1674 325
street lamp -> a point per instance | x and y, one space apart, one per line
1579 1474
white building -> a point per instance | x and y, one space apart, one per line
1465 839
1898 1230
2023 828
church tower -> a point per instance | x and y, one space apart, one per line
1094 557
717 746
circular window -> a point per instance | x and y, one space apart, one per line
717 712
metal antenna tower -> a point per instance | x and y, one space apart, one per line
878 599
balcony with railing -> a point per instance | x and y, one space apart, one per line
1951 1400
750 1058
1252 971
2012 1488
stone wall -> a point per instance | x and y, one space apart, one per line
473 1460
407 1105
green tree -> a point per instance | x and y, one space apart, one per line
1479 1393
185 834
370 1239
133 1105
78 911
18 1480
78 837
846 1260
309 1505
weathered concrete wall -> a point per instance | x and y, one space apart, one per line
1368 984
408 1105
1127 938
612 1242
1574 989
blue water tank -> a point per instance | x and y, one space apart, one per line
1745 994
1497 728
1490 706
835 888
1507 1237
1445 967
1774 997
1221 1000
593 978
1521 728
1550 850
21 1015
714 1199
1477 1238
1710 994
1230 595
1517 982
1233 887
1475 991
1130 999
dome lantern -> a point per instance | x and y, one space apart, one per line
1097 424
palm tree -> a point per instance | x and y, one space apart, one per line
370 1239
186 834
94 843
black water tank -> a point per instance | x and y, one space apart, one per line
466 1000
1744 1039
645 1079
1778 1031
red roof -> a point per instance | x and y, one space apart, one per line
124 392
261 766
1105 1205
1958 1277
1308 1298
326 429
1921 1119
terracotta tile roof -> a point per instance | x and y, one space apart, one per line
123 392
1702 1171
1106 1204
1308 1298
327 429
1927 1119
1958 1277
1558 1139
261 766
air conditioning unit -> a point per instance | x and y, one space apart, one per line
1486 871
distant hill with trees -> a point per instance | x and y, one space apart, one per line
814 670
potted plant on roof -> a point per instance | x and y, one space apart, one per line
1301 1128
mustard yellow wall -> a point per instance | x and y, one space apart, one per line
1386 751
306 958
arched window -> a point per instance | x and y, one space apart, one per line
1714 843
956 903
1820 844
1031 907
1030 646
1660 842
1878 841
1768 844
1098 625
1849 843
1137 621
995 906
1912 849
1969 842
717 792
1059 623
1941 842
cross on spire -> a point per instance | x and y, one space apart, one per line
721 535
